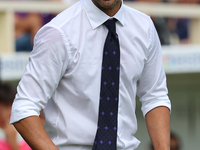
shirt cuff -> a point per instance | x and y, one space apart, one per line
151 104
22 109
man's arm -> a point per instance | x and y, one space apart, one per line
34 133
158 125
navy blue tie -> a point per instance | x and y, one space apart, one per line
106 136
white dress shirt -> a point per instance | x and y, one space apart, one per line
64 73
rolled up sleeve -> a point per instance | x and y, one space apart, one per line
152 89
47 63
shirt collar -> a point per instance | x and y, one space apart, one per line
98 17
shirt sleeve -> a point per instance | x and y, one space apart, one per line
47 63
152 89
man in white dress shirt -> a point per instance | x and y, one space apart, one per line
64 73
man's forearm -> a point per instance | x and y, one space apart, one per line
33 132
158 125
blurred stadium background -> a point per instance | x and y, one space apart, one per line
181 57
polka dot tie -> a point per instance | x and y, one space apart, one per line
106 136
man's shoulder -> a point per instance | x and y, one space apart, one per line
135 13
63 19
67 15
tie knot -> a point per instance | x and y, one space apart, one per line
110 24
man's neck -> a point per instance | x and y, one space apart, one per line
109 11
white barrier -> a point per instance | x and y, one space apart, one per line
13 65
176 59
181 58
